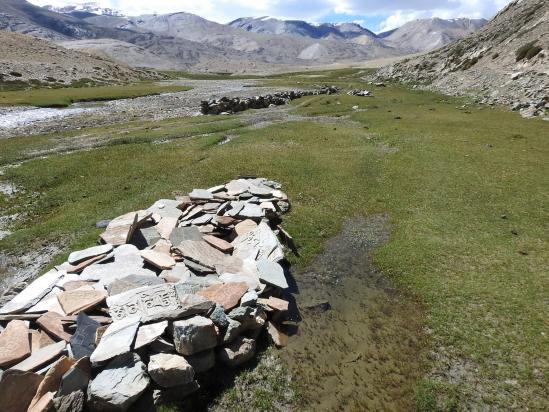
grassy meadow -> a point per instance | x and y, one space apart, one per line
464 186
63 97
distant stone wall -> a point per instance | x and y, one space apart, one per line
236 104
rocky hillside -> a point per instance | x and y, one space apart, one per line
429 34
26 59
506 62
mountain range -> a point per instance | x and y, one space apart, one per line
185 41
505 62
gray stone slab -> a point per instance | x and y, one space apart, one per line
166 208
195 283
41 357
201 194
33 293
251 211
261 238
234 209
179 234
201 252
149 333
133 282
127 261
271 273
119 385
81 255
197 268
236 187
155 303
116 340
203 220
178 273
83 341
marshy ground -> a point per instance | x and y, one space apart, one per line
437 210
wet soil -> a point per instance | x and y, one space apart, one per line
364 351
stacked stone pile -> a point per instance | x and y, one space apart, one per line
361 93
168 293
227 105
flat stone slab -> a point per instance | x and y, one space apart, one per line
51 323
166 208
116 340
218 243
41 357
157 259
83 340
81 255
119 385
179 234
50 383
120 230
275 303
201 252
14 343
245 226
127 261
148 303
39 339
75 301
149 333
178 273
236 187
261 239
17 388
228 294
201 194
76 378
271 273
166 226
33 293
251 210
133 282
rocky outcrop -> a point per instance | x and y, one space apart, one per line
504 63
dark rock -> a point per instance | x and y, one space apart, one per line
83 341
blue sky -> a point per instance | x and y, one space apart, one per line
377 15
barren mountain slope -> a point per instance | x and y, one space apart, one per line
23 17
429 34
506 62
300 28
24 58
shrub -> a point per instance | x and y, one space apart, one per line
528 51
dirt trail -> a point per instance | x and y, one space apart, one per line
365 352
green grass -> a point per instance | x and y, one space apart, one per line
63 97
466 193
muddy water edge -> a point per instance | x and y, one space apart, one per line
367 351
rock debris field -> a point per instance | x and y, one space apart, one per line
168 293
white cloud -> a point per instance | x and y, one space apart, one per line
393 12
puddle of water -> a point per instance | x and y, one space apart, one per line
365 352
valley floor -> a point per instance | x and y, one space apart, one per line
437 210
